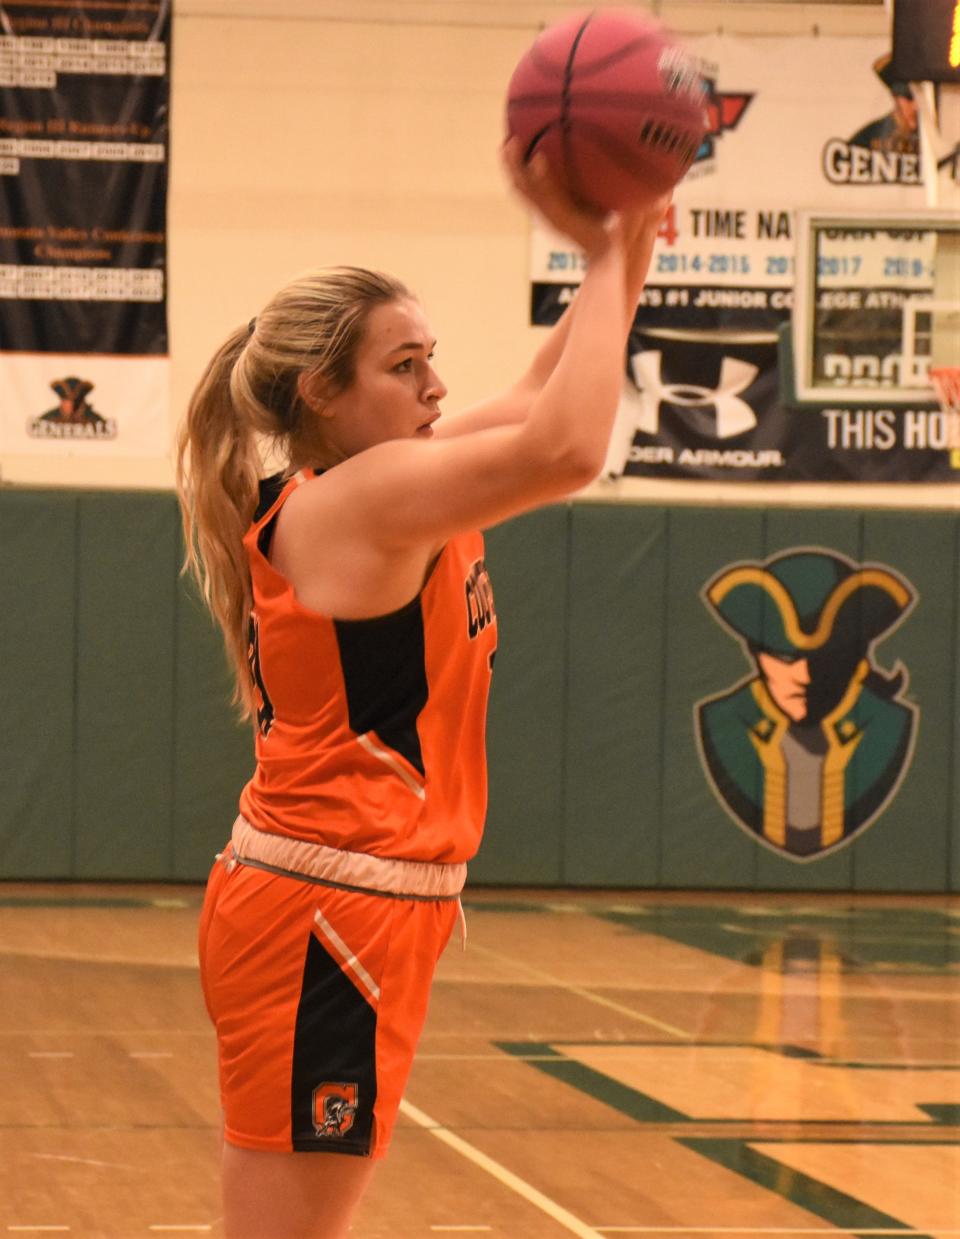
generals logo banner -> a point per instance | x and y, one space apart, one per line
84 109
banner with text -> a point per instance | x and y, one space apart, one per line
84 132
795 124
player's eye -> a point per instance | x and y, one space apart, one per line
405 366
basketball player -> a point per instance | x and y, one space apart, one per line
325 916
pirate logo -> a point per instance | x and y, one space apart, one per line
810 748
73 417
898 131
886 150
334 1108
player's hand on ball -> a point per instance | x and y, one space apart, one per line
588 228
642 223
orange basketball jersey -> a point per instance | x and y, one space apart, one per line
370 733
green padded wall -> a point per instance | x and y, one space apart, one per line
38 660
126 581
615 662
523 843
906 848
212 750
122 756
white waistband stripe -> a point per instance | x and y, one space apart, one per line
383 875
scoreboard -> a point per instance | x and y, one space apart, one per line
926 40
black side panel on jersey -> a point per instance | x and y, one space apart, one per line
385 676
270 489
334 1078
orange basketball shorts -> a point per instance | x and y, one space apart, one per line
318 996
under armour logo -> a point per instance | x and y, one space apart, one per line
734 416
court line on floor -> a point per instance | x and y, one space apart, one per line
81 1161
767 1230
204 1229
187 962
509 1180
580 992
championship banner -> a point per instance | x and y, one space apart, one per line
795 124
84 129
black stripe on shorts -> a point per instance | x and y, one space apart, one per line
334 1083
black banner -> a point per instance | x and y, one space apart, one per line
708 395
84 110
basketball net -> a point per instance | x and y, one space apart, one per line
938 115
940 155
938 123
946 382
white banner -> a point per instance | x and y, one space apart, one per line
84 404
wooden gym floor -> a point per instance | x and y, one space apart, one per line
594 1064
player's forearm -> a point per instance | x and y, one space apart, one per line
574 410
639 255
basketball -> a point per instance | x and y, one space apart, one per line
613 102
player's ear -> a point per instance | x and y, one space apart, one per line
314 390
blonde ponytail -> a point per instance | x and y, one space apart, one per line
250 391
218 469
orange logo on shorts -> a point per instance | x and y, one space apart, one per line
334 1108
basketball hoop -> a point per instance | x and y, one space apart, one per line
946 381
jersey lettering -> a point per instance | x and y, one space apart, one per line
479 591
264 704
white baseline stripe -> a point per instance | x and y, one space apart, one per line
501 1174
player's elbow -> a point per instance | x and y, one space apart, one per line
582 464
567 464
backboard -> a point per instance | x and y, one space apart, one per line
877 302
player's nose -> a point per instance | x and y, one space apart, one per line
436 388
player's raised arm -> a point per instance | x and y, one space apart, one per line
415 488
